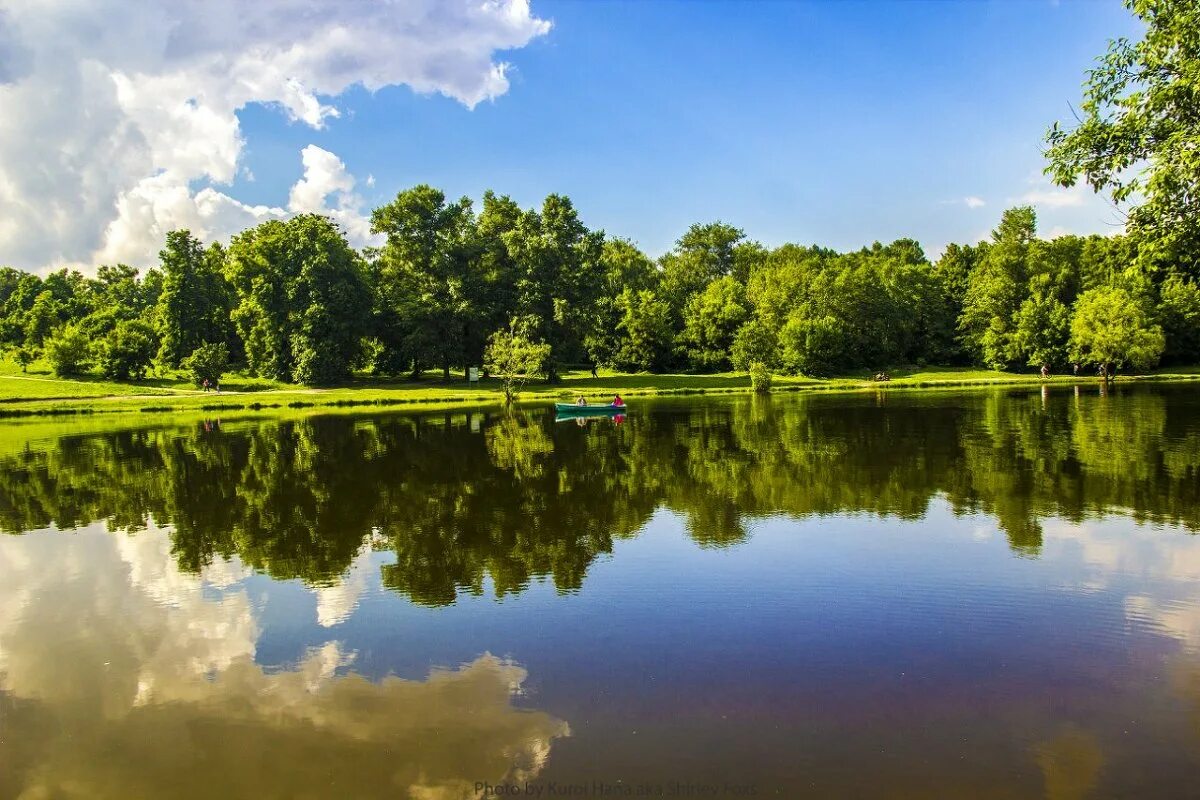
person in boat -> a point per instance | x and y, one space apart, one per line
618 402
582 401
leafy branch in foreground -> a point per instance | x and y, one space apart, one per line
1138 135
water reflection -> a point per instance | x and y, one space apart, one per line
459 499
123 676
814 595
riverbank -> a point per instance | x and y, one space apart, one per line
40 393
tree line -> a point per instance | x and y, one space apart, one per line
293 301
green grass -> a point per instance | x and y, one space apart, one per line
39 392
38 382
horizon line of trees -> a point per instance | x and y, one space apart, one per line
293 301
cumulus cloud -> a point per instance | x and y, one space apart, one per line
325 175
1157 569
114 656
112 112
336 603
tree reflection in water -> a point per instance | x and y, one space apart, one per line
459 498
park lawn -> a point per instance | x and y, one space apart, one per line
38 382
17 388
39 392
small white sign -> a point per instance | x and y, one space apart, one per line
473 374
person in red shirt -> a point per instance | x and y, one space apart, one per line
618 402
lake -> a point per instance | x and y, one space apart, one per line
896 594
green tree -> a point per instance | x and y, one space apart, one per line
558 277
193 306
756 342
301 299
68 350
712 318
1111 328
24 356
127 350
44 316
996 289
813 345
512 358
1138 132
703 254
1179 309
207 362
430 263
1043 327
626 269
644 338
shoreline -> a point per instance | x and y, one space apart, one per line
427 395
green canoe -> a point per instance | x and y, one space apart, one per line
588 410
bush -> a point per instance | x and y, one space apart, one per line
207 362
127 350
24 357
68 350
760 377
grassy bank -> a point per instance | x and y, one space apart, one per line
39 392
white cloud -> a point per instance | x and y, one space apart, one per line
110 651
1156 568
1044 194
111 111
325 175
974 202
336 603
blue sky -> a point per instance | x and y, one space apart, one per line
832 122
836 122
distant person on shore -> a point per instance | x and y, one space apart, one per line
205 384
594 375
1077 368
1045 371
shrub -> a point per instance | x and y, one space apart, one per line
24 357
68 350
760 377
127 350
207 362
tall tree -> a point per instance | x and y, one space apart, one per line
997 288
623 307
301 297
557 262
193 306
703 254
711 319
644 336
429 263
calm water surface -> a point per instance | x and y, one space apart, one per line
991 595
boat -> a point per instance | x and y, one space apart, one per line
591 409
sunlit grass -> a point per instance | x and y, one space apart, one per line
39 392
